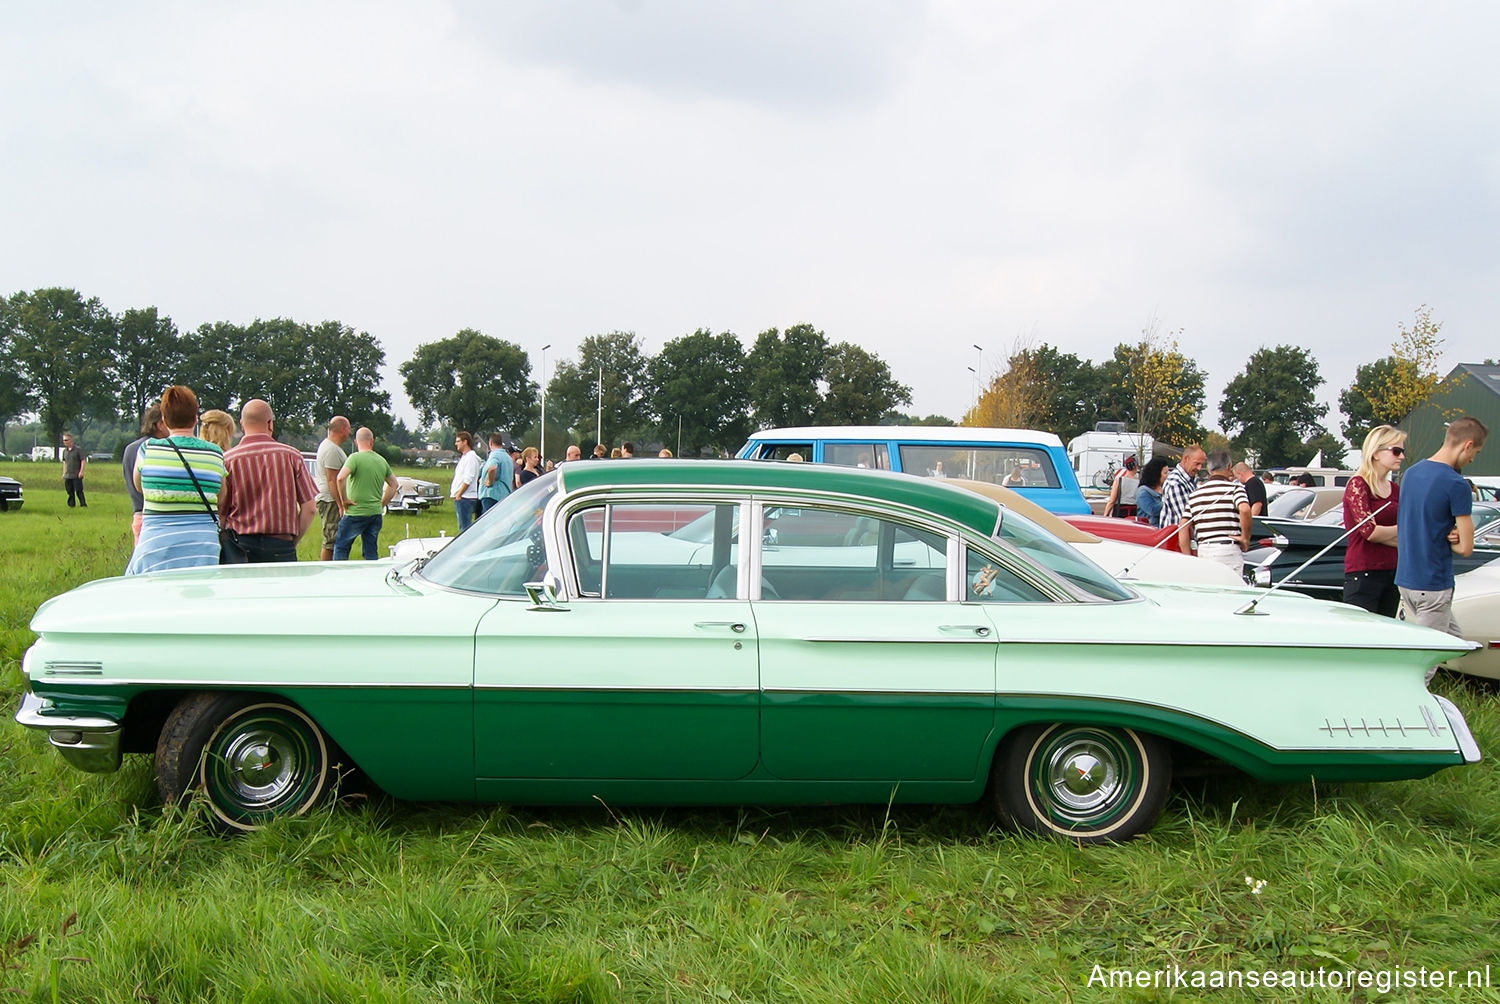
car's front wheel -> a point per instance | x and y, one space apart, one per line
1090 783
252 758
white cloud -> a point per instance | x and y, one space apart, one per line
913 178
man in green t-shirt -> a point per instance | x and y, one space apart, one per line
367 485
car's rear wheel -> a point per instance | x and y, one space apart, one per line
1090 783
253 759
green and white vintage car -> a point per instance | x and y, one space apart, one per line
670 632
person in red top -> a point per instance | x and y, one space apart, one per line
266 502
1370 557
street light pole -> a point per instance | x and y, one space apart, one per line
544 404
599 431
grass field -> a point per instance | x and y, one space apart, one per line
105 897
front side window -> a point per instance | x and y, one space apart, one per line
503 550
783 451
654 550
1059 558
1012 466
811 553
988 581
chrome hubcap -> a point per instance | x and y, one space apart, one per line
1083 775
261 766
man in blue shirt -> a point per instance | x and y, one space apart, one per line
496 476
1434 522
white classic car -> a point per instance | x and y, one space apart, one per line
414 495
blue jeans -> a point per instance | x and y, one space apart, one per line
465 509
366 528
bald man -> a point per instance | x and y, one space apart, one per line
266 503
1255 488
367 485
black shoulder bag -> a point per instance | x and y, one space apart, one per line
231 551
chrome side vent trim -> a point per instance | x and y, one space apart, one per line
73 669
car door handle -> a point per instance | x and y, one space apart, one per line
737 627
977 630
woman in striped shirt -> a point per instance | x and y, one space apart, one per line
179 478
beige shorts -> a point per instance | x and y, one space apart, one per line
328 512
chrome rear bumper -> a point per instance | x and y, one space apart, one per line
1466 744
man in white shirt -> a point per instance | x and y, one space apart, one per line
465 489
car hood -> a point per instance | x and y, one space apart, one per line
217 597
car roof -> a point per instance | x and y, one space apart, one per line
928 494
912 434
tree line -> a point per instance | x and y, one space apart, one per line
1269 408
65 357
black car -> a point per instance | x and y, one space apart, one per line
1299 540
10 494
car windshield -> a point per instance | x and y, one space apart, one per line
1061 559
1290 504
502 550
1333 517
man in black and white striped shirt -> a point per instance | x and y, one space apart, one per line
1219 516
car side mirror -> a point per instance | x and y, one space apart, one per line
544 594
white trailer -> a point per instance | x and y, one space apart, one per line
1096 455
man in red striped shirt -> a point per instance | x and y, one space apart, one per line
266 502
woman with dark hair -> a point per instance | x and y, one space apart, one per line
178 478
1148 495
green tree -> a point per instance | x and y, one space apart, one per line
785 369
62 349
210 354
574 393
1013 397
1156 389
1355 400
703 390
274 364
343 377
860 387
1334 450
472 380
901 418
15 392
148 359
1063 393
1270 407
1392 387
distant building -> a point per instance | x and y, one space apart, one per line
1470 389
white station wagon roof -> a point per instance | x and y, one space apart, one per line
912 433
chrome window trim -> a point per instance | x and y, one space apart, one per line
562 561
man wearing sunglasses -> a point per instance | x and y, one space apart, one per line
1434 522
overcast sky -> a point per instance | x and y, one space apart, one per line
913 177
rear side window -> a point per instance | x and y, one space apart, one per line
872 456
812 553
1011 466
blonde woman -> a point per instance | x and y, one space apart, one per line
530 465
217 428
1370 556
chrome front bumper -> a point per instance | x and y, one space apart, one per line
91 744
